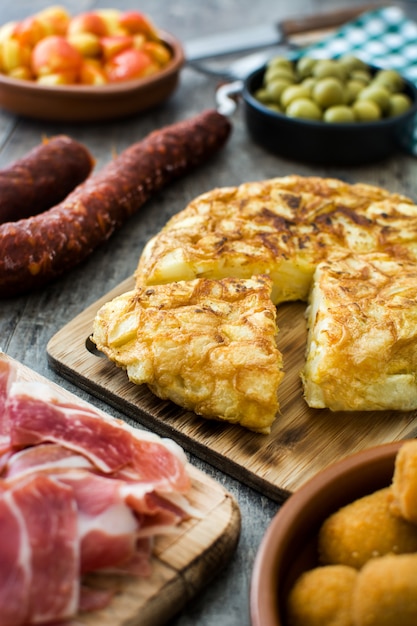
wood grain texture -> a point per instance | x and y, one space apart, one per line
302 442
183 563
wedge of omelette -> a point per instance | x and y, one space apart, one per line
207 345
362 335
283 227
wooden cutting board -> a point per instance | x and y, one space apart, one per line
183 563
302 442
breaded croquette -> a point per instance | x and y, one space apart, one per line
365 529
404 483
322 597
385 592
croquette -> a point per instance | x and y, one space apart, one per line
365 529
404 483
385 592
322 597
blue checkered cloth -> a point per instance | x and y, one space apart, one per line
383 37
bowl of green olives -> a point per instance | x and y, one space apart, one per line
329 111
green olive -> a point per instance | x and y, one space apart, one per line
353 89
366 111
275 88
351 63
329 67
292 93
304 108
309 83
390 79
279 71
339 114
280 61
364 76
304 67
378 94
334 90
328 92
398 103
262 95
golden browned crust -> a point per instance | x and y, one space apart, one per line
283 227
322 595
362 318
385 593
209 346
363 530
362 239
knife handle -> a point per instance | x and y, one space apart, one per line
320 21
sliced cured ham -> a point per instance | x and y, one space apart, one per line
38 522
50 517
80 492
14 565
38 415
107 526
46 457
7 376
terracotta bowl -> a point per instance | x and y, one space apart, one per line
93 103
289 545
321 142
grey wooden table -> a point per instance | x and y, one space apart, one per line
28 322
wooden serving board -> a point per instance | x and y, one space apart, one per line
303 441
182 564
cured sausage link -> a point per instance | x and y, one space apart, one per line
34 251
43 177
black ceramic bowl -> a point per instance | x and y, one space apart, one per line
322 142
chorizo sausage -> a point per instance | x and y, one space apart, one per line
43 177
36 250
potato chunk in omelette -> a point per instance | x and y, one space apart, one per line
362 335
283 227
207 345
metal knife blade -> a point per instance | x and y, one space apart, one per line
222 44
265 35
